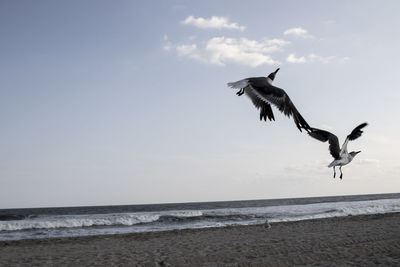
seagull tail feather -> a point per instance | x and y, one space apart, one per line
266 112
239 84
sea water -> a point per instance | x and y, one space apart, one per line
35 223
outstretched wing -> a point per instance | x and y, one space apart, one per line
324 136
259 103
353 136
265 107
279 98
356 132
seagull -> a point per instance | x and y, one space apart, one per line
341 156
263 94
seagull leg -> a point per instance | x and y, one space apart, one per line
241 92
334 172
341 173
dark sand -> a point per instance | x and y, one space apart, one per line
354 240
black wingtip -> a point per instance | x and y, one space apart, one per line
301 122
357 132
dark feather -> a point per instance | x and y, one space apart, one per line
265 107
263 94
278 97
266 112
356 132
324 136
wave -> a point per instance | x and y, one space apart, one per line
75 221
178 219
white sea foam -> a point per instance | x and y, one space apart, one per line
78 225
313 211
184 213
75 221
72 221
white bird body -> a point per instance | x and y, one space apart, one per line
344 160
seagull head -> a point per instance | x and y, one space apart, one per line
272 75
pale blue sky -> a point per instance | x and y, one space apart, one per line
125 102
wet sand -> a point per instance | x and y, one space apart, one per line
354 240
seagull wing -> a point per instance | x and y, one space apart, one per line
264 106
356 132
259 103
353 136
324 136
263 89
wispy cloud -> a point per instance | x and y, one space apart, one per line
293 59
167 44
298 32
317 167
221 50
313 57
367 161
214 22
186 50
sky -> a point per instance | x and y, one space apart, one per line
126 102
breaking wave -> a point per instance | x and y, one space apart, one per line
36 226
73 221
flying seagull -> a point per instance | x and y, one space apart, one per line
263 94
341 156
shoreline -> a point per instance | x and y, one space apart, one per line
362 240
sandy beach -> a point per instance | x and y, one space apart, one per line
353 240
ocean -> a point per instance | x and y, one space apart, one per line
16 224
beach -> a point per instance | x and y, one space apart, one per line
352 240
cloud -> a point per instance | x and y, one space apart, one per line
167 44
214 22
313 57
317 167
221 51
293 59
185 50
298 32
167 47
367 161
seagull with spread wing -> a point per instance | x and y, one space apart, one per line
341 156
263 94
